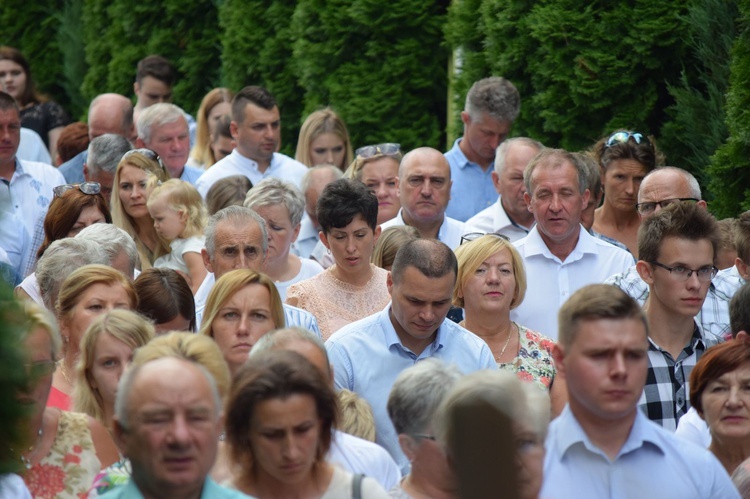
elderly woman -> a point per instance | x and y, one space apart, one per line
625 158
165 298
324 139
720 393
280 413
87 293
491 281
528 412
281 205
67 449
137 173
352 288
377 167
242 306
215 104
107 349
415 396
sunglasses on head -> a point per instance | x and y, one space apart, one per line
473 236
624 137
387 149
148 153
86 188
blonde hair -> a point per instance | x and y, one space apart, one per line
191 347
320 122
470 256
356 415
82 279
124 325
229 284
202 149
155 173
185 199
389 242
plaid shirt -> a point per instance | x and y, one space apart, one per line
666 396
713 319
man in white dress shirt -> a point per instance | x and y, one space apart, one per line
425 189
560 256
510 215
256 128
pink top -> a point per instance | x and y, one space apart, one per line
58 399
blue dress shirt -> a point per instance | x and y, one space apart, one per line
367 357
72 169
472 190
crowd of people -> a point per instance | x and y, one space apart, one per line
204 316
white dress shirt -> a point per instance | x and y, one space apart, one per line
495 219
450 231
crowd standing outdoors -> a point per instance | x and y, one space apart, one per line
207 317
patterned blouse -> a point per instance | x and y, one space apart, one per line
534 361
68 470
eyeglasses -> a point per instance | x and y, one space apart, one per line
473 236
41 369
387 149
623 137
148 153
90 188
682 273
646 208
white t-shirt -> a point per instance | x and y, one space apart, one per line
308 269
341 487
174 259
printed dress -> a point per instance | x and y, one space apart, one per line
534 360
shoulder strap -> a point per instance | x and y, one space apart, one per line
357 486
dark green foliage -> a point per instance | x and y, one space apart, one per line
70 27
729 172
697 125
257 50
383 69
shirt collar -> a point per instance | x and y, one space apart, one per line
441 231
393 341
535 245
254 164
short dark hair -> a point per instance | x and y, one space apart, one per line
258 96
715 362
739 310
430 257
344 199
644 152
157 67
681 220
271 375
742 237
7 103
594 302
163 294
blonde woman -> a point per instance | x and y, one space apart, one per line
242 306
376 166
107 349
389 242
137 173
215 104
87 293
324 139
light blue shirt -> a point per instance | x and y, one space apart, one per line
450 231
73 168
472 190
367 356
191 174
651 463
32 148
211 490
281 166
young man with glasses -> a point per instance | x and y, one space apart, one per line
677 251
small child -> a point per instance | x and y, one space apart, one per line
179 218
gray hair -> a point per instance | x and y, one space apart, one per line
334 172
502 150
741 478
501 389
554 158
106 151
237 215
495 96
112 240
272 191
538 403
60 260
417 393
129 377
592 170
278 338
695 188
157 115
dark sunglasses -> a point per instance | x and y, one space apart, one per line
90 188
387 149
473 236
623 137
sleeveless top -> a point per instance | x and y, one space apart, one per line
68 470
336 303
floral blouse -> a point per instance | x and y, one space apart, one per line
69 468
534 361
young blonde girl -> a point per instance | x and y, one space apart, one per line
179 218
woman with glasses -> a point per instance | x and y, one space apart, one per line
625 158
65 450
376 166
352 288
324 139
491 281
137 173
